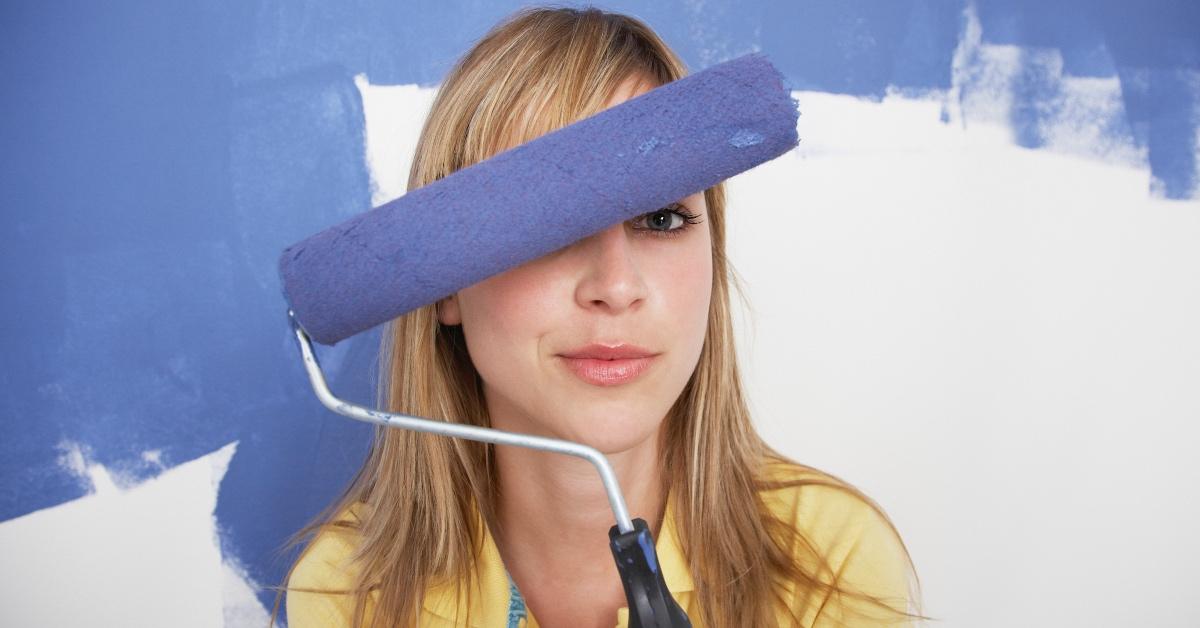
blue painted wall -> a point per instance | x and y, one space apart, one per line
157 156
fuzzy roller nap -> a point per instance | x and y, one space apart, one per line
516 206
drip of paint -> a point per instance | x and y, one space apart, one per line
744 138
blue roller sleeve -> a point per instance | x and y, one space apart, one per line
630 159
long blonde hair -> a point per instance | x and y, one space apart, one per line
558 65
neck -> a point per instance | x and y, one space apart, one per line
554 517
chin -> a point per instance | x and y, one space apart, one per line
612 435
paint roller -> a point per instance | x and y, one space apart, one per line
518 205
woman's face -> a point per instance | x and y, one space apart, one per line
645 282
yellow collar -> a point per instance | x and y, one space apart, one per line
488 603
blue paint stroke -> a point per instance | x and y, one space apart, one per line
1036 92
862 47
1154 51
148 194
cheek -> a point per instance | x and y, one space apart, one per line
685 287
503 317
690 292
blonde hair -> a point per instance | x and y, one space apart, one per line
540 69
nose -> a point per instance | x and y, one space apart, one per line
612 279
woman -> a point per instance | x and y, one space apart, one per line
444 532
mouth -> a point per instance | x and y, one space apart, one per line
619 351
606 364
602 372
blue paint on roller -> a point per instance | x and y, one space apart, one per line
648 549
744 138
409 252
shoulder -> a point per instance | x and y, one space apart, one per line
816 501
320 584
843 531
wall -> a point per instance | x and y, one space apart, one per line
977 275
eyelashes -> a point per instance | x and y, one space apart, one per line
669 213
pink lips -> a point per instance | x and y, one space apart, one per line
608 366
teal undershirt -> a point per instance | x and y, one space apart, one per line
516 603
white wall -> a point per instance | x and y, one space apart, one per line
998 344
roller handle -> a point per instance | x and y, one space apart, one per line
650 602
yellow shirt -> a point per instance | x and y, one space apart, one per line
853 537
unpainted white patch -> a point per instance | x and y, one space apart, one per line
978 334
240 606
153 457
76 459
394 116
71 459
144 555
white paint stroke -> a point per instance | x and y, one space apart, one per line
394 116
76 459
997 343
127 555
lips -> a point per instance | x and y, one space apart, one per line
604 365
605 352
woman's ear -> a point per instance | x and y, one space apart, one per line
447 311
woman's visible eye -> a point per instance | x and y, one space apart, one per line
668 222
